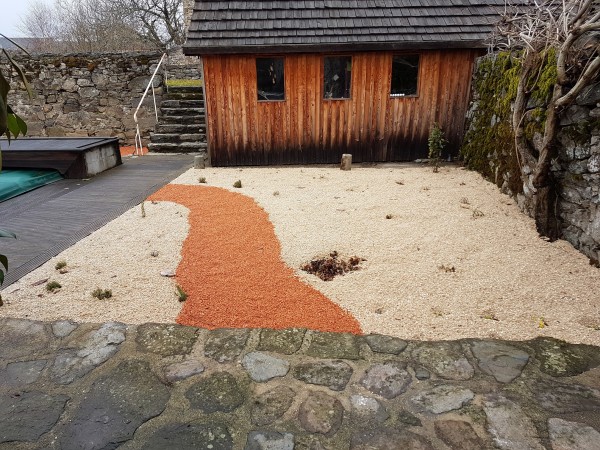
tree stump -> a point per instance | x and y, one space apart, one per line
346 162
199 162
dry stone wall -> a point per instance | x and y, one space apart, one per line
578 169
489 149
90 94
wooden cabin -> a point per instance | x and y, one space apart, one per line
300 82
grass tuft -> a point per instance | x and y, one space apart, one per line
181 294
52 286
102 294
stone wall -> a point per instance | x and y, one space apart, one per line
90 94
578 169
489 148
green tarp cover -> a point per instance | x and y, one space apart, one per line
16 182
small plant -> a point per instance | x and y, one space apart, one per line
489 315
426 188
542 323
60 264
464 201
143 210
52 286
102 294
437 142
202 180
477 213
276 193
447 269
181 294
388 216
237 184
437 311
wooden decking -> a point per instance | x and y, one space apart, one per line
54 217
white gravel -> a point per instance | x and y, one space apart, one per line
457 258
116 257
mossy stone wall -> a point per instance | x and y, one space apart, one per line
489 146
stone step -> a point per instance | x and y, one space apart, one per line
196 119
171 128
182 104
183 96
181 111
171 137
182 147
184 89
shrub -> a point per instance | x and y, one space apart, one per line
237 184
52 286
437 142
202 180
60 264
102 294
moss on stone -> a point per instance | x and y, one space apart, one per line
489 146
489 142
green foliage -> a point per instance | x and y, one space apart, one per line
11 125
202 180
3 258
237 184
102 294
51 286
181 294
437 142
60 264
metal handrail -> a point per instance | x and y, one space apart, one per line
138 136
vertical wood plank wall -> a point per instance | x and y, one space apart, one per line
305 128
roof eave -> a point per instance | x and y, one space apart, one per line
190 49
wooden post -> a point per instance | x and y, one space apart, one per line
346 161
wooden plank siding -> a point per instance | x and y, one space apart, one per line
305 128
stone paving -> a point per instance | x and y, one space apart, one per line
155 386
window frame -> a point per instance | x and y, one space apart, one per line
323 77
285 94
418 93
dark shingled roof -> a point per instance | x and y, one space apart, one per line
334 25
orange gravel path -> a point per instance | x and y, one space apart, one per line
232 271
128 150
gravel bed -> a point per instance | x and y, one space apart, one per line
447 256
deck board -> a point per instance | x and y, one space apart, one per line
52 218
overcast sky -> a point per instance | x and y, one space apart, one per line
10 13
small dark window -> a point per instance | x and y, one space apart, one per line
338 76
405 75
270 80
